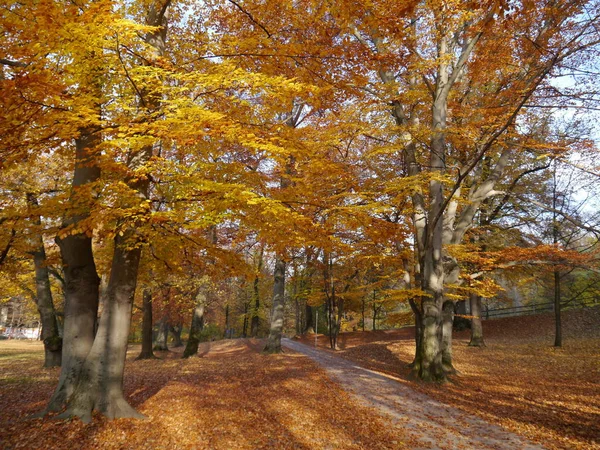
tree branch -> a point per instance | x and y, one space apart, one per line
8 62
238 6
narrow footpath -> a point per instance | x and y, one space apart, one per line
428 423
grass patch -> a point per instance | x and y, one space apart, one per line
18 380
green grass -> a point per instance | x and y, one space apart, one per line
19 380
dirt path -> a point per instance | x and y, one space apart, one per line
429 423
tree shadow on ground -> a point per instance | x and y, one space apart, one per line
518 381
233 396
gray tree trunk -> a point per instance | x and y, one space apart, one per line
227 331
45 305
81 278
147 352
160 344
176 333
555 240
476 327
245 324
277 313
557 306
416 363
197 325
431 367
255 322
308 327
100 385
447 320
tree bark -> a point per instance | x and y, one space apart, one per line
299 319
555 240
45 305
227 332
338 322
100 385
81 278
196 326
431 367
160 344
255 322
476 327
433 268
330 299
447 322
557 306
416 363
277 313
309 326
147 352
375 311
176 333
363 313
245 324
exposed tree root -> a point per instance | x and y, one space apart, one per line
112 408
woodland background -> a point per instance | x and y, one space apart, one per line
178 171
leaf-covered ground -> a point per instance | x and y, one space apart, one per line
230 397
518 381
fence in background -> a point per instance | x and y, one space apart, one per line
534 308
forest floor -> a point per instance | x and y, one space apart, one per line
519 381
230 396
427 423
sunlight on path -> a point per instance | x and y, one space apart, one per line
429 423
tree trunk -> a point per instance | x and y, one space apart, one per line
332 306
309 326
363 313
256 308
431 367
160 344
81 279
374 324
277 313
416 363
197 325
557 318
338 324
226 334
297 316
476 327
100 385
245 324
447 322
433 268
255 320
147 352
431 356
555 240
45 305
176 333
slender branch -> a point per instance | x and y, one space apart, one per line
506 197
138 92
56 275
6 249
573 220
238 6
8 62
